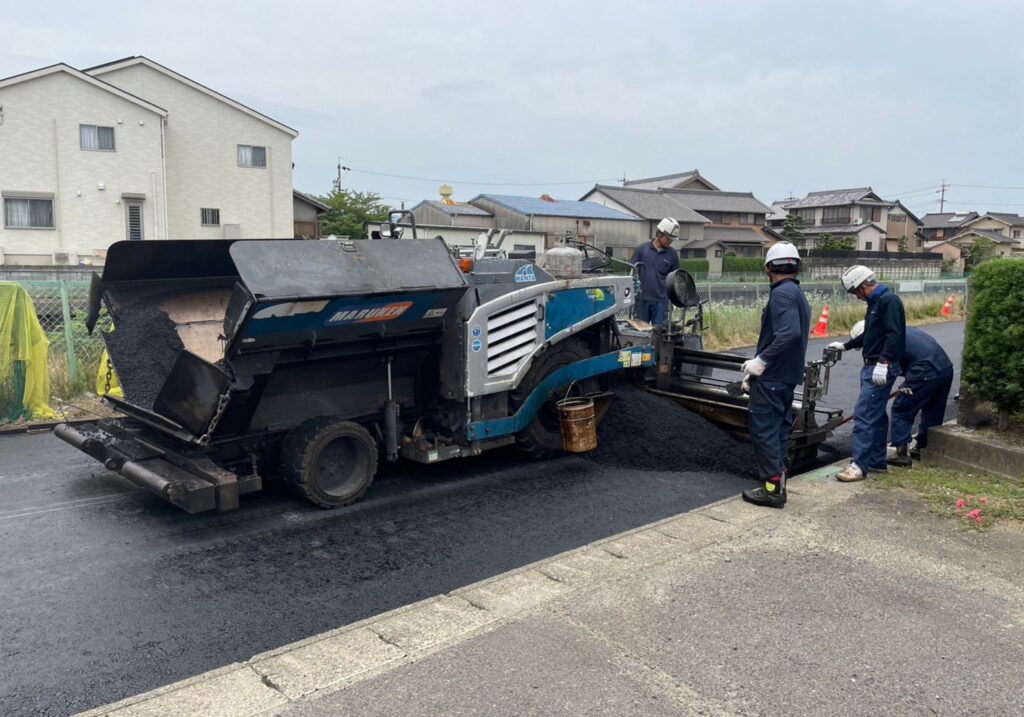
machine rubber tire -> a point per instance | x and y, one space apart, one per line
542 438
329 462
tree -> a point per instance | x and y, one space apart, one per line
980 251
793 229
904 245
350 212
828 242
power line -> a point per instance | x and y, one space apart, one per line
473 181
914 191
986 186
990 204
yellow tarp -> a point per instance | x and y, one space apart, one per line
101 379
23 340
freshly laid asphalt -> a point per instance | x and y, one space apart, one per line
109 592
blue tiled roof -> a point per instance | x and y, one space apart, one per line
559 208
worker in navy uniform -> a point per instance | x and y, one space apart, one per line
927 380
883 342
772 375
658 260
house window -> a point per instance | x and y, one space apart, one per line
28 213
252 156
209 217
746 218
939 233
835 215
876 214
897 218
718 253
700 253
807 215
93 137
1016 234
867 246
713 217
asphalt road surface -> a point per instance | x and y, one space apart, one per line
108 591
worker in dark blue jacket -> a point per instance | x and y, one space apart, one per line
772 375
927 380
883 342
658 260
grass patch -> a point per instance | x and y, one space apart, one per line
975 501
732 326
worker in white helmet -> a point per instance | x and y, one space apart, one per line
883 343
773 374
656 260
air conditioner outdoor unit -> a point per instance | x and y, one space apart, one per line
858 220
64 258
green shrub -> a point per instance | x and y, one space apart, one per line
694 266
743 264
993 358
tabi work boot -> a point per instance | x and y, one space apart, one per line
772 494
850 474
900 458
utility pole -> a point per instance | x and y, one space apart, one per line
623 180
942 197
337 181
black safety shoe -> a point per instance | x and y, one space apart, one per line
901 458
761 496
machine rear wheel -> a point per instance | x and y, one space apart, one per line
329 462
543 437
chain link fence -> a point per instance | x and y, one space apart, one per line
74 358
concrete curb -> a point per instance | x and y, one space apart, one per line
339 658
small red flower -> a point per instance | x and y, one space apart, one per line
984 500
960 503
976 514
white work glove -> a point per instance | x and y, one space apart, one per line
907 391
754 366
880 374
837 345
745 384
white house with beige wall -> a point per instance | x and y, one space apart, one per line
133 150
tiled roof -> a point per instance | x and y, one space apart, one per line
311 200
701 244
667 181
454 210
734 235
558 208
705 201
652 204
946 220
841 229
1013 220
996 237
832 198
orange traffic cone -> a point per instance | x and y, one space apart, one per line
822 328
947 310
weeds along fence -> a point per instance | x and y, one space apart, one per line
74 355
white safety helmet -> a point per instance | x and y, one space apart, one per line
857 329
782 253
855 276
669 226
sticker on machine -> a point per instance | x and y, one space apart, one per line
434 313
368 314
525 274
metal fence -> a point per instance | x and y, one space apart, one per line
62 307
756 293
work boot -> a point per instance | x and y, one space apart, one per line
850 474
900 458
772 494
914 450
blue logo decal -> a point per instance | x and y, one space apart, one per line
477 330
477 346
525 274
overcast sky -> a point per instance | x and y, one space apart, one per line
518 97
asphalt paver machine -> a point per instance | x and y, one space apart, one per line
316 359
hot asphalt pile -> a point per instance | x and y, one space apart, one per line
144 346
647 432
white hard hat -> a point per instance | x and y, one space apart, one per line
782 252
857 329
669 226
855 276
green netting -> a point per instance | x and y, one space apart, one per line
24 373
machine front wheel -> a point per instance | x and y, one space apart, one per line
542 438
329 462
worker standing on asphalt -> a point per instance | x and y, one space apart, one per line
772 375
883 342
658 261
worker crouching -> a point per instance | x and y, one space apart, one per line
883 341
771 377
927 380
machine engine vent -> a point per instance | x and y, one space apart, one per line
511 338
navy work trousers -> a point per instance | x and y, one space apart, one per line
771 422
930 393
655 312
870 421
